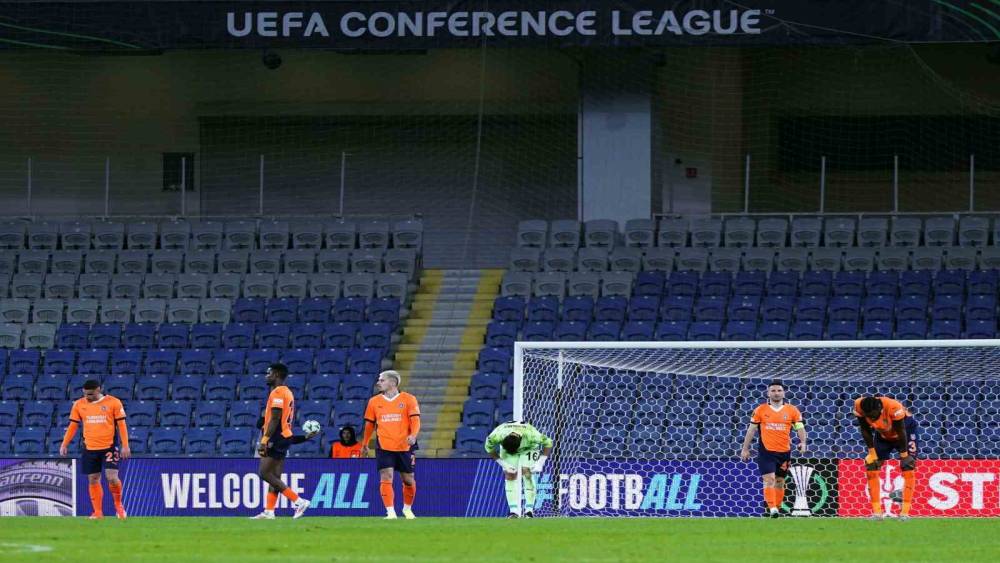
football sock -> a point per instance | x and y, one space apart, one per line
271 502
116 493
874 491
779 496
769 496
529 494
513 495
909 482
97 497
409 493
385 489
290 494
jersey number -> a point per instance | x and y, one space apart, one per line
111 457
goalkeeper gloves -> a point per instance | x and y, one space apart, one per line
872 457
537 468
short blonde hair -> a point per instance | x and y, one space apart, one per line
393 374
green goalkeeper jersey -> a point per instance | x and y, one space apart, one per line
531 438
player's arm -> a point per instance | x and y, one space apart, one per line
270 430
414 423
369 429
546 443
126 452
748 439
74 423
800 429
871 460
906 461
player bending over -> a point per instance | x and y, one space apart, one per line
521 446
886 425
775 420
275 441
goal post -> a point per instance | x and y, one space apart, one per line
654 428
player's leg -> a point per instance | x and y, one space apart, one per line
266 472
908 465
780 473
528 484
112 459
386 492
90 465
511 484
299 504
406 464
767 464
884 451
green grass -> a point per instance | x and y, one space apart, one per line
177 540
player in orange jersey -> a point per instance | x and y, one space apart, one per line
103 420
275 441
886 425
775 420
395 416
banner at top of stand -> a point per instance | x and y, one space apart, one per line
394 25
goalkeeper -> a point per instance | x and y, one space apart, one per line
519 446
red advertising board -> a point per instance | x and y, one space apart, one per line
944 487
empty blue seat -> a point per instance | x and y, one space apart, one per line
187 387
93 362
743 308
811 308
238 335
683 283
200 441
882 283
175 413
349 310
912 329
741 330
579 308
949 282
173 335
843 330
126 361
349 412
229 362
140 335
538 332
321 386
845 308
604 331
705 330
24 362
377 335
245 413
165 441
320 411
51 387
946 329
306 335
316 310
644 308
195 362
159 362
29 441
299 361
947 307
253 387
37 414
649 283
981 328
749 283
248 310
543 309
339 335
982 282
501 334
471 439
273 335
141 413
281 310
331 360
671 330
773 330
152 388
876 329
816 283
610 309
74 336
782 283
478 412
106 335
508 309
911 307
879 307
677 308
60 361
711 308
259 360
849 283
236 442
366 360
715 284
486 385
220 387
120 386
357 385
569 331
915 282
505 410
206 335
497 360
778 308
981 307
806 330
9 414
638 331
384 310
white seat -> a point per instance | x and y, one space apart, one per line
873 231
81 311
740 231
324 285
794 259
14 310
166 262
133 262
625 259
340 233
602 233
905 231
659 258
33 261
28 286
60 286
839 231
640 233
368 260
401 260
974 230
673 232
693 259
292 285
100 262
214 310
516 283
725 260
265 261
359 285
859 259
891 258
199 262
989 258
258 285
224 285
929 258
939 231
592 259
758 259
584 284
960 258
772 231
206 235
549 283
115 311
48 311
108 235
94 286
141 235
12 235
150 311
706 231
391 285
559 259
183 310
67 262
233 262
75 235
240 235
373 233
335 261
806 231
175 235
159 285
43 235
126 286
826 259
40 335
10 335
564 233
192 286
408 233
616 284
532 232
274 235
302 261
306 235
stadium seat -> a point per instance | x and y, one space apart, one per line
152 387
773 330
672 330
816 284
782 284
206 335
323 386
538 332
175 413
29 441
915 282
743 308
160 362
947 307
239 335
273 335
877 329
471 439
844 308
478 412
236 442
173 335
165 441
139 335
258 360
578 309
9 414
543 309
758 260
18 387
486 386
741 330
187 387
501 334
141 413
51 386
316 310
914 329
806 330
318 410
366 360
604 331
200 441
252 387
705 330
120 386
220 388
811 308
349 412
945 329
792 260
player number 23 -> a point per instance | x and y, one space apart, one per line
111 456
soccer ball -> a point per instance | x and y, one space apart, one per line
310 426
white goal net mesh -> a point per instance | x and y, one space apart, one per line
654 429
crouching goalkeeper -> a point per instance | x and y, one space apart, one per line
519 446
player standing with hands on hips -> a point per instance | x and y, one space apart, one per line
775 419
521 446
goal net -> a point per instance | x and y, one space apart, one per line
655 428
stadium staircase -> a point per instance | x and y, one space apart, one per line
440 342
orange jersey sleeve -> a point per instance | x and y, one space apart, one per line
395 420
281 398
99 420
776 426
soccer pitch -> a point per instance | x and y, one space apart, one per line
178 540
